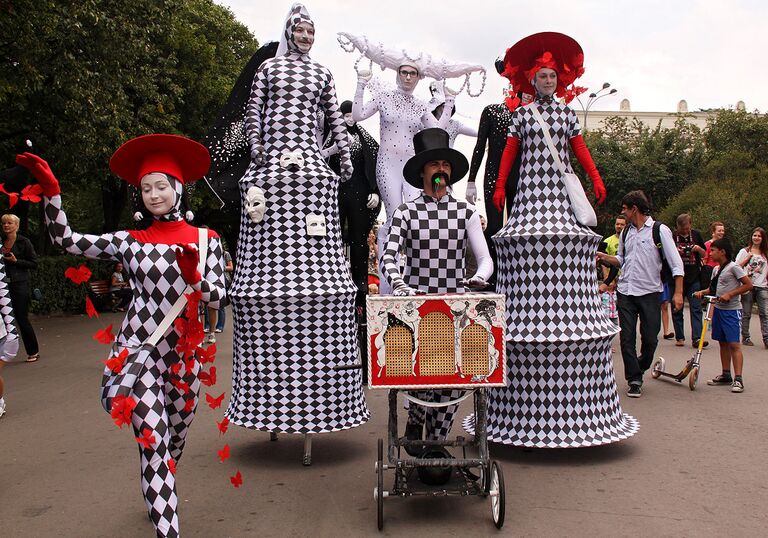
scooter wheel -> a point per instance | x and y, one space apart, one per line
658 367
693 377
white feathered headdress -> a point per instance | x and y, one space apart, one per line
392 58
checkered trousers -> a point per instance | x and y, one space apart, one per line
6 310
434 236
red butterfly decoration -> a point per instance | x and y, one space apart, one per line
223 425
189 405
31 193
189 364
13 197
147 439
116 363
236 480
175 368
223 453
205 355
183 386
78 275
90 309
122 409
172 466
193 300
104 336
214 403
208 379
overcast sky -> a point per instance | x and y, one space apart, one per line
655 53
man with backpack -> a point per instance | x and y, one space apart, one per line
646 254
690 246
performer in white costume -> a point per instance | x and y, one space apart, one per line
292 294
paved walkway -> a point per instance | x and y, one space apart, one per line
696 468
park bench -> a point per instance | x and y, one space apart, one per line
101 297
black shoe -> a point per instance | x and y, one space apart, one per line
635 391
413 432
669 336
695 345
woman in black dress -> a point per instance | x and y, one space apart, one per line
19 257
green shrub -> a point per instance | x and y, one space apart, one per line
61 295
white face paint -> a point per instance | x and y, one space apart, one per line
546 81
407 78
304 36
348 119
255 204
157 194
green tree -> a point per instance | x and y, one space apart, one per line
79 78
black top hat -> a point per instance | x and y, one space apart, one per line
431 145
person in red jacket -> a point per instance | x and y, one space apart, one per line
156 381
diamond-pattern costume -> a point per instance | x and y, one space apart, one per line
434 234
562 389
293 297
149 258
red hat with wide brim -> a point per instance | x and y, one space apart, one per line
546 49
174 155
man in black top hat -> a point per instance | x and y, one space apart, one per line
434 230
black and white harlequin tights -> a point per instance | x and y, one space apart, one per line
439 420
160 408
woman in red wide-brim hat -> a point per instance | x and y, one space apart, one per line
561 389
148 382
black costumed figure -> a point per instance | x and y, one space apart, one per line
292 295
562 388
359 201
155 386
434 230
492 132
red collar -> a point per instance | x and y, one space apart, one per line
169 233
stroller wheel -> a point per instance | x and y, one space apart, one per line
658 367
693 378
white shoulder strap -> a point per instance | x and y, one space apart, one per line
548 138
181 302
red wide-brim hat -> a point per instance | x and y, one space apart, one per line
174 155
546 49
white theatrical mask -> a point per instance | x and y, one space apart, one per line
255 204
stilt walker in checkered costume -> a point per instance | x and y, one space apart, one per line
434 230
162 266
562 389
292 294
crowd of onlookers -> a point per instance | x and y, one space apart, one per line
662 268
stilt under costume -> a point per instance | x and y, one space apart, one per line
293 298
562 389
434 234
165 400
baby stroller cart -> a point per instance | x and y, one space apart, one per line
691 368
425 342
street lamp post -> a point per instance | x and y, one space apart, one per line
593 97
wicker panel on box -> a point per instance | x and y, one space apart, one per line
399 348
474 350
436 340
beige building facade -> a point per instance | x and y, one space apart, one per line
594 119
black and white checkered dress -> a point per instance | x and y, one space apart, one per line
162 407
562 389
293 297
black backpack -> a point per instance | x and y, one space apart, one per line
666 271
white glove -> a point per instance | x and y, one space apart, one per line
257 154
404 291
471 194
364 76
373 201
189 216
475 282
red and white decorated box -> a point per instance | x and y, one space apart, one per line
434 341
